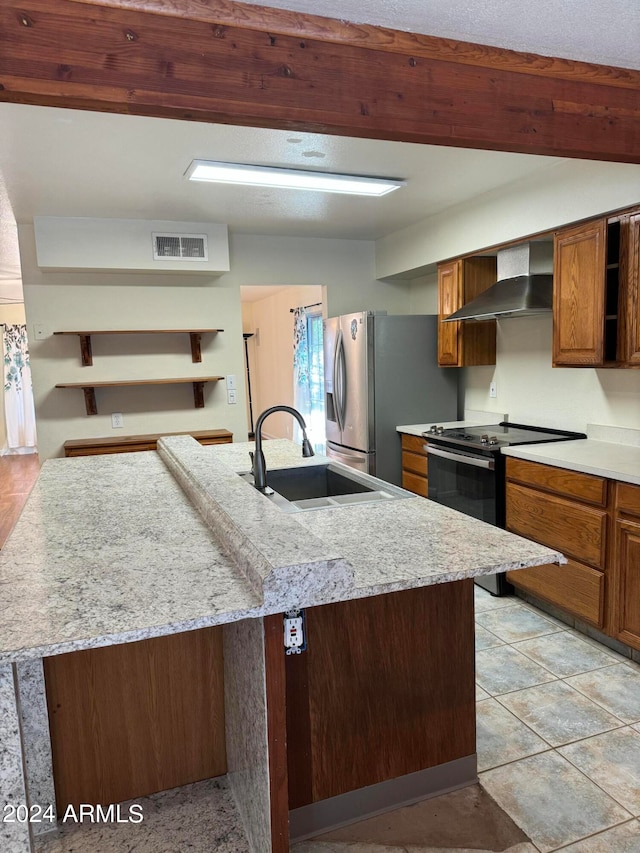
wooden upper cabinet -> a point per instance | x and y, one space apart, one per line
469 343
579 295
449 300
630 273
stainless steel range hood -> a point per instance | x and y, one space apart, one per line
519 291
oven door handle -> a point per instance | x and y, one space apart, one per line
463 459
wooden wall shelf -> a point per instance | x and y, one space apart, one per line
194 334
90 392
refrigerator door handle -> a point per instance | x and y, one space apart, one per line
336 390
341 369
352 458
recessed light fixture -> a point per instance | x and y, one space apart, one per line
296 179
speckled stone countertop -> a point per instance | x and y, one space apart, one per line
112 549
608 451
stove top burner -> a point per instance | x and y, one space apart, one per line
494 436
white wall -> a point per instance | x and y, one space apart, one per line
11 315
563 193
345 267
532 391
529 389
79 300
271 352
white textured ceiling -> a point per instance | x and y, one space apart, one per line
603 31
72 163
76 163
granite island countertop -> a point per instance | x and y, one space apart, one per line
112 549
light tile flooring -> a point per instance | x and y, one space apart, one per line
558 718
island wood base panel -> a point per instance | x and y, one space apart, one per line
385 691
317 818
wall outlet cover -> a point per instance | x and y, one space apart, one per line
117 421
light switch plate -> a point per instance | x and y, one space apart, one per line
232 397
493 389
231 382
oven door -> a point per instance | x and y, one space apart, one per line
464 481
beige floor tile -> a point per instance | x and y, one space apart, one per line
616 688
501 737
486 640
564 654
558 713
503 670
481 694
516 623
552 802
620 839
613 761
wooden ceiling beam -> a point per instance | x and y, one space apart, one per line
233 63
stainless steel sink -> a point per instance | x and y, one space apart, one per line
324 486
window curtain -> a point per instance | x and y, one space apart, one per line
19 411
301 388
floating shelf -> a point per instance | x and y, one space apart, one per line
195 335
89 388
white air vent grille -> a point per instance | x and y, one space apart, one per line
186 247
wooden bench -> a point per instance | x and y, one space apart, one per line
135 443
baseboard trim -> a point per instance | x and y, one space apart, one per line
326 815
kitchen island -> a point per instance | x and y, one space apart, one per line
113 550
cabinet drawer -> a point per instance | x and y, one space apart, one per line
574 587
415 483
414 462
628 498
578 531
571 484
414 443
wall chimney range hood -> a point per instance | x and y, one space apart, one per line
519 291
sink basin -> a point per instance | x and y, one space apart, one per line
323 486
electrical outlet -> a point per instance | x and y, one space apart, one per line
117 421
493 390
232 396
39 332
231 382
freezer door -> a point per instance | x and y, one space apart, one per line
355 391
353 458
331 343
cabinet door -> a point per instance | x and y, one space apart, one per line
630 250
579 295
627 619
449 300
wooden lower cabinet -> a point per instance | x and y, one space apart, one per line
575 587
565 510
137 443
626 603
414 465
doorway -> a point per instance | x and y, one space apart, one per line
282 328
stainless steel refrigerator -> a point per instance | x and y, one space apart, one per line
382 371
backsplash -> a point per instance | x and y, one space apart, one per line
533 391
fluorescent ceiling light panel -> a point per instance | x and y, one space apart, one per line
296 179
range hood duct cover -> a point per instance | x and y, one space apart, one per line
520 296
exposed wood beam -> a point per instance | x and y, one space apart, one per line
220 61
302 25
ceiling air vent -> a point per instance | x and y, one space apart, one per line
185 247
